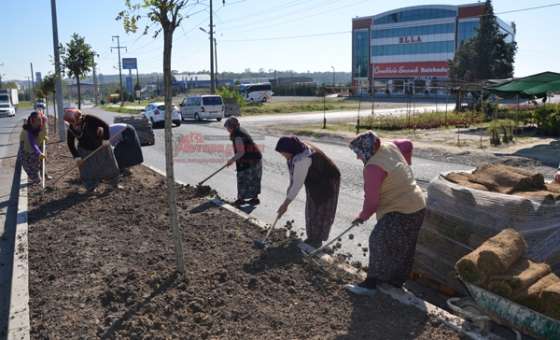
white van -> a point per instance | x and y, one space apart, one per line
203 107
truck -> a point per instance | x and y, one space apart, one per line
8 101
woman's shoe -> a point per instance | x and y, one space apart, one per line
254 201
368 287
238 202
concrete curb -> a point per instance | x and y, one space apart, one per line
454 322
19 322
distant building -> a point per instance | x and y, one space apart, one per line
406 50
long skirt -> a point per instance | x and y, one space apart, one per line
102 165
319 216
30 163
128 152
392 245
249 181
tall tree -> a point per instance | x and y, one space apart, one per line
487 55
77 58
166 15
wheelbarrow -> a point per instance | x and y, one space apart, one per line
510 314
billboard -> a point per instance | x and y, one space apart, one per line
129 63
415 69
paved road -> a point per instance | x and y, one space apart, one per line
191 167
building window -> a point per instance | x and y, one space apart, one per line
419 48
360 54
413 31
467 30
415 15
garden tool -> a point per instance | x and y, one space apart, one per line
316 251
262 244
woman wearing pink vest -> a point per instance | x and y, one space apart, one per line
392 194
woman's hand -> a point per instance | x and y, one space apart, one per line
100 132
557 177
42 157
230 162
357 221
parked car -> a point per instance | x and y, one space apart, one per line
155 112
203 107
40 104
7 110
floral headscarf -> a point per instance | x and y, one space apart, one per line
364 145
294 146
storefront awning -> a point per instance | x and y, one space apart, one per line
537 85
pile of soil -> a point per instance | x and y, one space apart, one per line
509 180
102 266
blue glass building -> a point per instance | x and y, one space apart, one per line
407 50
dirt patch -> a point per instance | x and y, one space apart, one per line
102 266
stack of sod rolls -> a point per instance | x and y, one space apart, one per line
500 265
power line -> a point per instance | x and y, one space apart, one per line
346 32
530 8
290 37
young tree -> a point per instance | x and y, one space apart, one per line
166 15
77 58
485 56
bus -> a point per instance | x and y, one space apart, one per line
256 93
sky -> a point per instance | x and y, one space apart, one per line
251 34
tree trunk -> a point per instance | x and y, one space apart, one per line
171 190
55 110
79 95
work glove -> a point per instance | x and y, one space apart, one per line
79 161
42 157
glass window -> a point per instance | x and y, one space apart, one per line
467 30
414 15
214 100
419 48
410 31
360 55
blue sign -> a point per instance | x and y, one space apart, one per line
129 87
129 63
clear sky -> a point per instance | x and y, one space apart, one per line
27 34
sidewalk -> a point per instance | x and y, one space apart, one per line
9 194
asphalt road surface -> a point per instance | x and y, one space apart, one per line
214 148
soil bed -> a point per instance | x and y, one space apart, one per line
102 266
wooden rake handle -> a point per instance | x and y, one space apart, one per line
213 174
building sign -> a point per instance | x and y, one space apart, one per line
419 69
410 40
129 63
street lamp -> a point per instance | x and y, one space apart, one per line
215 56
333 76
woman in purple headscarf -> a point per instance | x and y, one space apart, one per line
310 166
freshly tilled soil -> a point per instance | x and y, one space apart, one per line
103 266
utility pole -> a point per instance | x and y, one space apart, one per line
95 85
216 61
58 76
31 93
212 78
119 48
333 76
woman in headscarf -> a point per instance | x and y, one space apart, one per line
30 154
391 192
310 166
91 132
248 161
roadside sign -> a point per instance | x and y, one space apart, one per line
129 63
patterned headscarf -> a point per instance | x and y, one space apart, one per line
364 145
232 123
